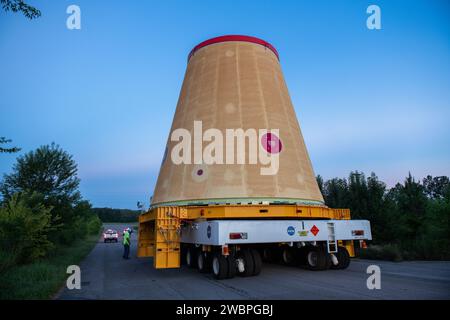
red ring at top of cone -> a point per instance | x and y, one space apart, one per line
234 38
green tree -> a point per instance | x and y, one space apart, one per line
436 187
376 191
436 238
411 204
49 171
319 180
32 224
335 192
3 140
52 173
358 193
20 6
378 210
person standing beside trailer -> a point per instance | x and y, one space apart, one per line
126 244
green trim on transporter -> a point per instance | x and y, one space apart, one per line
240 201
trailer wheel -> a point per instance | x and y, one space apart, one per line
343 259
203 262
247 259
231 266
316 259
257 262
191 260
220 266
288 256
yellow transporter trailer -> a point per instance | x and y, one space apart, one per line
230 239
226 207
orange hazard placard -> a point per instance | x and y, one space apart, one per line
314 230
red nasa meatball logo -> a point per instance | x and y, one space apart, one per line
271 143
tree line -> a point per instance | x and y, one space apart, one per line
41 206
409 221
117 215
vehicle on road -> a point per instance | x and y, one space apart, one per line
110 236
226 217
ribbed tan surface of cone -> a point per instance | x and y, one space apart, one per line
232 85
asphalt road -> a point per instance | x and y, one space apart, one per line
105 275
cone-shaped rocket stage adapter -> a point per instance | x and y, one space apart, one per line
235 136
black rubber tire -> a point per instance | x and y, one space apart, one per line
343 259
221 263
289 256
319 256
257 262
231 267
249 266
191 257
203 263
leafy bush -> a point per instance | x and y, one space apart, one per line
94 224
70 232
24 231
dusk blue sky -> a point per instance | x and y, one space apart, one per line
368 100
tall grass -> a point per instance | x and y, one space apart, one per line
42 279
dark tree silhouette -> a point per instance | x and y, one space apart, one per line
7 150
20 6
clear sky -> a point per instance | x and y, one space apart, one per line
369 100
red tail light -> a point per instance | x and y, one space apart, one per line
238 235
